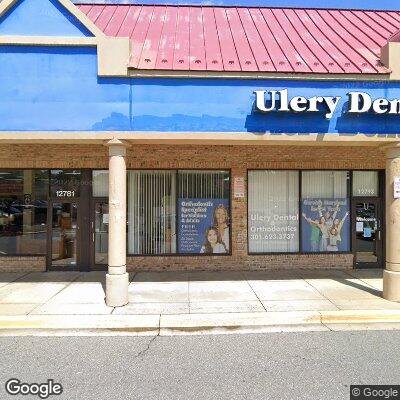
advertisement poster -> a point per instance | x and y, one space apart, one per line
325 225
274 230
203 226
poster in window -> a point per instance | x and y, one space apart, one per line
203 226
326 225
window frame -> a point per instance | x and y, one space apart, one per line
177 254
248 212
300 225
47 227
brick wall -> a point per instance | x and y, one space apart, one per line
22 264
236 158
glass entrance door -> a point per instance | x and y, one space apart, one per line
64 233
100 233
367 233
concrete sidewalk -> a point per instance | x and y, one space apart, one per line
197 302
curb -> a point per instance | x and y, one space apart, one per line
196 324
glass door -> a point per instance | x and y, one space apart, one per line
367 233
100 233
64 234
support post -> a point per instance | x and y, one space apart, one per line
117 279
391 275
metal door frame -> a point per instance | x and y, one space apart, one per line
93 265
49 255
379 240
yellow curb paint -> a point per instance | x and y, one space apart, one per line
356 318
20 324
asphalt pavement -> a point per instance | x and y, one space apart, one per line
304 365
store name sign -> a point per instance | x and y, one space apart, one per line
359 103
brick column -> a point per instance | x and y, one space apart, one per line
391 275
117 279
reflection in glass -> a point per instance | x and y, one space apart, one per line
325 211
366 233
273 211
365 184
64 223
100 183
65 183
23 211
101 233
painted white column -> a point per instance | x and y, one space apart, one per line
117 279
391 275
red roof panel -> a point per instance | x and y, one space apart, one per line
211 41
258 49
148 56
203 38
165 56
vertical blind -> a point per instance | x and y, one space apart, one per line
324 184
151 212
203 184
273 211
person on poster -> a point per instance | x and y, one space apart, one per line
315 236
323 227
334 233
213 243
329 218
220 221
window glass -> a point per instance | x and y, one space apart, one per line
365 183
65 183
203 212
23 211
151 212
273 211
325 209
100 183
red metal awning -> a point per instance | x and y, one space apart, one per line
288 40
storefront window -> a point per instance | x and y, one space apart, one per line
100 183
65 183
203 212
273 211
151 212
365 184
23 211
325 209
198 201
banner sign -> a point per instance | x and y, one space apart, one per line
358 103
203 226
325 225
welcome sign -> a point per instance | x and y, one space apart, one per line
359 103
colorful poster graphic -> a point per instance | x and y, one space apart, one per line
203 226
325 225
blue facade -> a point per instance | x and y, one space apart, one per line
40 18
58 89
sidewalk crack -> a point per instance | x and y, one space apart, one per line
56 294
255 294
323 323
151 341
327 298
147 348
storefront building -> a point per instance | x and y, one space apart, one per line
182 138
